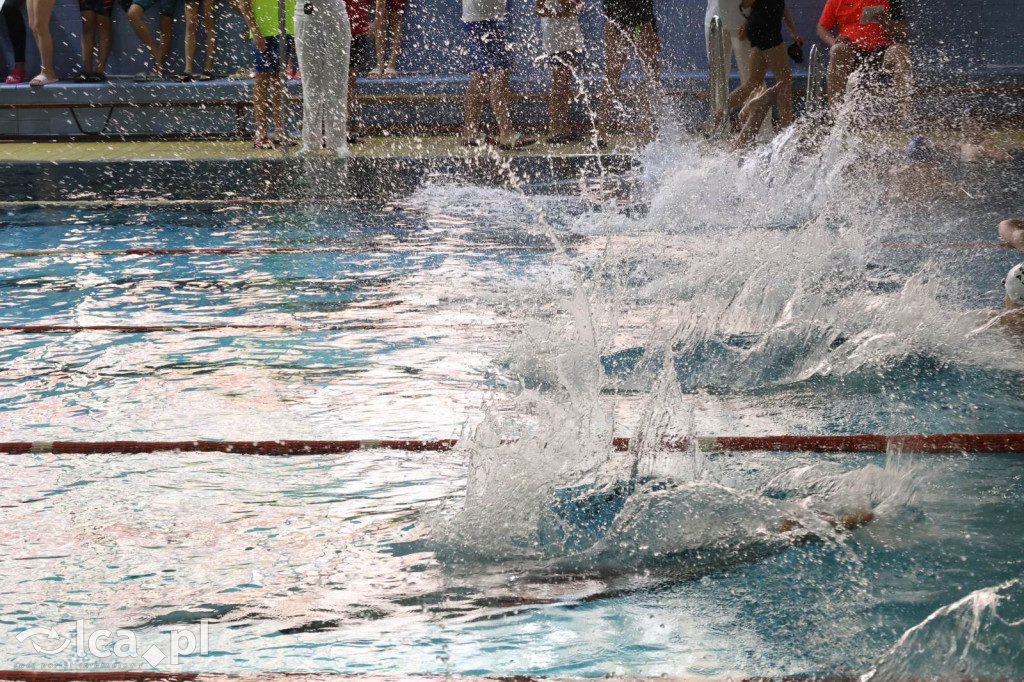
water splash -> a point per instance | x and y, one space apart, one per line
980 636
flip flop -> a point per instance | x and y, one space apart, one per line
81 77
519 142
182 78
206 76
96 77
42 80
354 139
263 143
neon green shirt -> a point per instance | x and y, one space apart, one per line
265 14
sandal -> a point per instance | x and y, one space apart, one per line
183 77
263 143
81 77
206 76
354 139
96 77
16 77
42 80
564 138
518 142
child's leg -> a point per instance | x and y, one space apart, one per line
395 17
560 96
501 105
260 93
615 42
380 41
142 31
88 39
103 23
191 29
758 70
778 61
166 22
209 33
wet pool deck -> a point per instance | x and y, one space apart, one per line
371 147
380 166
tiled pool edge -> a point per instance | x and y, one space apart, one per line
292 177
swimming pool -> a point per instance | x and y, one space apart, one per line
718 300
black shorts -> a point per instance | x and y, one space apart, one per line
629 14
104 8
873 60
357 55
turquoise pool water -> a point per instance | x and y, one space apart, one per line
485 313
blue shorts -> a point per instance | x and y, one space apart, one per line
269 60
166 6
488 47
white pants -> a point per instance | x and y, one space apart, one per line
323 42
733 46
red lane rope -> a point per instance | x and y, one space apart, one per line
224 250
148 328
937 443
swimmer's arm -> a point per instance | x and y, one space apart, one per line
1012 232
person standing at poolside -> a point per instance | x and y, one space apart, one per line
15 24
484 24
39 12
323 40
192 12
563 47
629 23
271 52
386 30
732 21
95 19
763 29
157 52
358 18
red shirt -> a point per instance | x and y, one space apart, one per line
358 15
846 15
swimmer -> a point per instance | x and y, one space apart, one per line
1012 232
920 178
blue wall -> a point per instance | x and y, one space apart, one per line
949 34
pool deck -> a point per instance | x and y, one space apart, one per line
379 166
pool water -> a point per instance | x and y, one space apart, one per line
561 320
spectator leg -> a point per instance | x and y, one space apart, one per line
380 39
88 40
104 26
758 70
191 29
840 66
615 42
39 12
648 50
166 23
260 103
209 33
16 32
395 37
142 31
502 106
741 48
897 63
474 105
778 61
559 98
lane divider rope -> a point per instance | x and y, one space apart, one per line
266 250
234 250
936 443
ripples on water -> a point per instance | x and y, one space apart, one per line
696 310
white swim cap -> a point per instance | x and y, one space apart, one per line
1014 284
